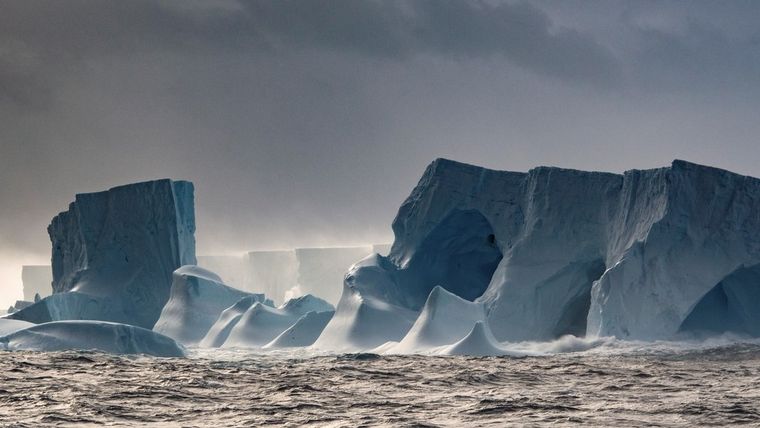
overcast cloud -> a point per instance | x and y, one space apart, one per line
307 122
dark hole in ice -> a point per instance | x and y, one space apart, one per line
575 313
458 254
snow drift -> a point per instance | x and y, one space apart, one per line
304 332
197 299
117 250
445 319
220 330
260 324
91 335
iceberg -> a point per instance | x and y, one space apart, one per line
304 332
8 326
260 324
479 342
445 319
197 299
117 250
220 330
647 254
366 320
91 335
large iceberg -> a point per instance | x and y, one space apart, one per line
365 320
91 335
648 254
114 253
36 280
197 299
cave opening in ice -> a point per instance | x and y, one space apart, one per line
574 314
460 254
732 306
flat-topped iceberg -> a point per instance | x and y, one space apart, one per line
648 254
118 249
91 335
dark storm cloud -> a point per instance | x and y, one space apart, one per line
57 35
308 122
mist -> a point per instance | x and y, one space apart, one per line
307 124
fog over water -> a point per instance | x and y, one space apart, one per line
307 124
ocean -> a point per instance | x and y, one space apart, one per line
591 383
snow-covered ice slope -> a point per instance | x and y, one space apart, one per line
8 326
260 324
197 299
445 319
366 320
304 332
479 342
630 255
36 279
120 247
220 330
91 335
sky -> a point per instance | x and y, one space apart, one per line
306 123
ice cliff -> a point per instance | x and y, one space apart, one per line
647 254
114 253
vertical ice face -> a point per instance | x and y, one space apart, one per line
702 229
119 247
36 279
630 255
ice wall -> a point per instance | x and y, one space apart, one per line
628 255
117 250
36 279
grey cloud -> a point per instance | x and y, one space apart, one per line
61 34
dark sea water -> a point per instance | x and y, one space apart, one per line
612 384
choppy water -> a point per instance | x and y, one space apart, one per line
612 384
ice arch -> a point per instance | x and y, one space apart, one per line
459 254
733 305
